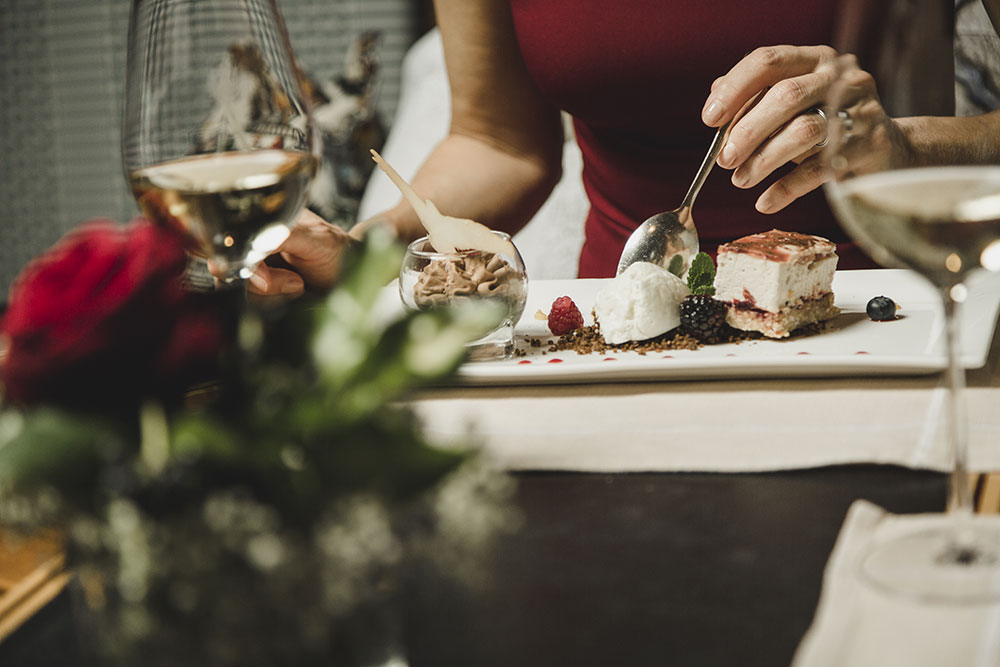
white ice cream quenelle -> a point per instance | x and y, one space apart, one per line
641 303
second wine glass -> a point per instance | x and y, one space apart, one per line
937 214
218 135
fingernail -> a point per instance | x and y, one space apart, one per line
765 204
258 281
713 112
740 178
728 156
292 287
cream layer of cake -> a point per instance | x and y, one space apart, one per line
775 282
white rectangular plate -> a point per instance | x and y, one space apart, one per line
850 345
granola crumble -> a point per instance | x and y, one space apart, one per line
588 340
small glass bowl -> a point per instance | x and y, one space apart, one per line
430 279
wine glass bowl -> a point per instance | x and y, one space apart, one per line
941 219
942 222
429 279
218 135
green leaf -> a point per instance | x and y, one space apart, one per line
676 265
365 365
347 332
387 455
62 449
436 344
196 436
372 266
701 275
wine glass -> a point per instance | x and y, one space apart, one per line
926 212
218 135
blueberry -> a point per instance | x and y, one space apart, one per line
881 309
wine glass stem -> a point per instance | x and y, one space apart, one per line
959 494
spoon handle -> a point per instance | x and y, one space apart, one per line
721 136
706 166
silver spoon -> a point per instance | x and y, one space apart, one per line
670 239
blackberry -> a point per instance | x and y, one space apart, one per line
881 309
703 317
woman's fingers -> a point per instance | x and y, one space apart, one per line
310 258
783 126
883 143
792 143
315 251
760 69
778 111
805 178
873 141
270 281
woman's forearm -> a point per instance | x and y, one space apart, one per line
934 140
503 153
469 177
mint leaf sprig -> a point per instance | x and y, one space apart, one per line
701 275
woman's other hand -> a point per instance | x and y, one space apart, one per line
310 258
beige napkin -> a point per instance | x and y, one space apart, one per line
857 626
715 426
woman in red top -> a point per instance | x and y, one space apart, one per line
637 76
635 81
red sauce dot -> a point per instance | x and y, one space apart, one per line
730 355
667 356
803 353
609 359
555 361
524 361
862 352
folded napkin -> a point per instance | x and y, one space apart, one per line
858 626
714 426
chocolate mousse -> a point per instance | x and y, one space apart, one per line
444 280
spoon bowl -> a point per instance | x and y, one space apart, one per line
666 239
669 239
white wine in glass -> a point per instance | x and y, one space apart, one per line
218 135
939 216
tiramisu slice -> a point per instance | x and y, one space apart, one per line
776 282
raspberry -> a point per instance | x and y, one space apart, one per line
564 316
703 317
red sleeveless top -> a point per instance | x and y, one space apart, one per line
634 74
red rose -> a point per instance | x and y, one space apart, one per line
102 321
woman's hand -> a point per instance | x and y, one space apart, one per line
311 257
784 126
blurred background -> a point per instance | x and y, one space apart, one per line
62 72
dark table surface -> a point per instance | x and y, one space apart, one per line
625 569
655 569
